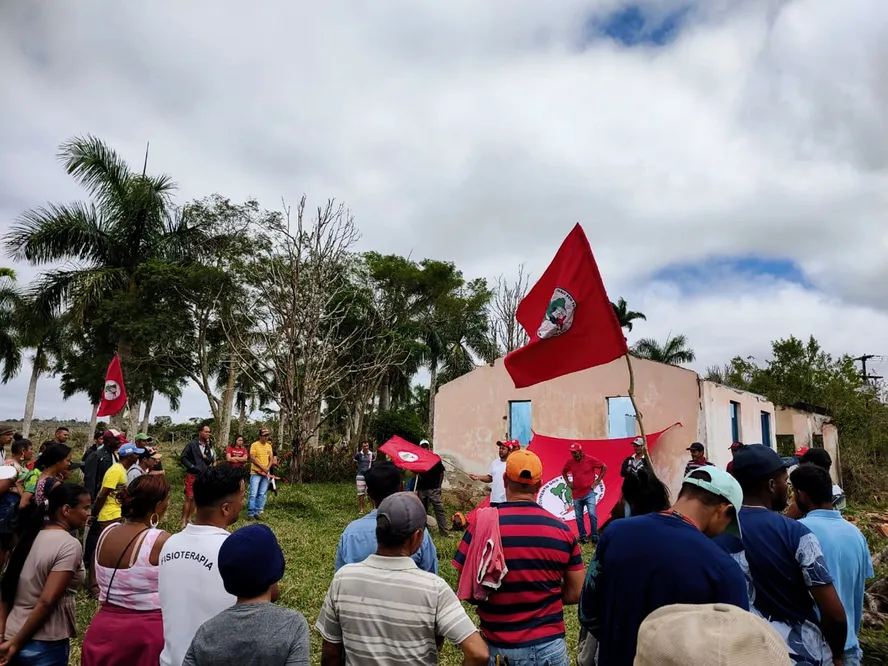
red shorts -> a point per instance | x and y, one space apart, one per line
189 486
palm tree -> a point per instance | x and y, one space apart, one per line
10 343
674 351
624 315
43 333
128 224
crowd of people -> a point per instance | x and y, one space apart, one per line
734 571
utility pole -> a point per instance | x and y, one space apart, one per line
863 359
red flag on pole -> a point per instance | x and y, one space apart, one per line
568 317
409 456
114 393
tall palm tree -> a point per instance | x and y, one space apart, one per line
624 315
674 351
129 223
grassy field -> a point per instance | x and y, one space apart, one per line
308 521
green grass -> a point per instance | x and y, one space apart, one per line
308 521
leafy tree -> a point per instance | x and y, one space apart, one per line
401 422
626 316
674 351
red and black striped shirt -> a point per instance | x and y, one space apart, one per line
539 549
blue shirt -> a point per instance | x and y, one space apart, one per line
847 557
645 563
358 541
783 559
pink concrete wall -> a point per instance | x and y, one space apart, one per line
716 414
472 412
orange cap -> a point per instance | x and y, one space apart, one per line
524 466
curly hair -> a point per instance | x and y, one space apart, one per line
140 498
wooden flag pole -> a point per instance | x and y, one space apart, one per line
638 416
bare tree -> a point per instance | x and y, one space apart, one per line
508 335
312 342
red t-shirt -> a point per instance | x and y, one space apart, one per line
236 451
583 472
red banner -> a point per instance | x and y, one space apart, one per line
409 456
555 496
114 392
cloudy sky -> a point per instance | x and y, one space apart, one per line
727 159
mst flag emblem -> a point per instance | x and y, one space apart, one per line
559 315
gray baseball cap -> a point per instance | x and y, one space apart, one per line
400 515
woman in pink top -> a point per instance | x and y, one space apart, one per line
128 629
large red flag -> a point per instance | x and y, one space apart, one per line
554 495
568 317
409 456
114 393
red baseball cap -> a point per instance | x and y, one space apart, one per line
513 444
802 450
576 447
736 445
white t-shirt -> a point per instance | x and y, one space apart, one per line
498 487
191 589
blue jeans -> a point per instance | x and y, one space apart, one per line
258 490
589 503
44 653
553 653
852 656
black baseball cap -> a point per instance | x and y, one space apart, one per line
758 460
696 446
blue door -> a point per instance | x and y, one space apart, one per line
519 421
766 428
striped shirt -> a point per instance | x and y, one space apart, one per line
539 549
386 611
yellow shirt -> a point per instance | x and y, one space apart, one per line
263 454
114 478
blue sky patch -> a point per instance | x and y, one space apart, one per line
695 276
633 25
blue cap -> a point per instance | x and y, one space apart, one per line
250 561
129 449
757 460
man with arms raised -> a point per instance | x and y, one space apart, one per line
523 620
787 576
385 610
191 589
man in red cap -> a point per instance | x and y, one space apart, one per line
582 474
736 446
495 475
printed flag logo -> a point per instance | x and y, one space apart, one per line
406 456
112 390
556 498
559 315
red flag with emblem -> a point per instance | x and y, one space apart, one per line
554 495
568 317
409 456
114 392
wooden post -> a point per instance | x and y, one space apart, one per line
638 416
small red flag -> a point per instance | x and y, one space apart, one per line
114 392
409 456
568 317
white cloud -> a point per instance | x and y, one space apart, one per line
480 132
